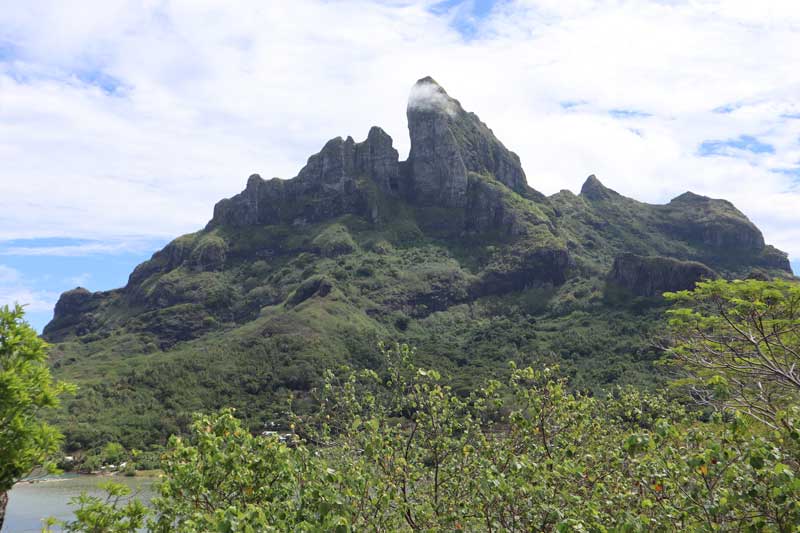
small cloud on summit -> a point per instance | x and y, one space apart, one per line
428 96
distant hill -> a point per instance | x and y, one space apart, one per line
450 251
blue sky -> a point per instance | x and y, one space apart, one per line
465 16
40 269
122 122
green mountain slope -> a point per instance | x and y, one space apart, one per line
450 250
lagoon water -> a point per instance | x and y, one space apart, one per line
29 503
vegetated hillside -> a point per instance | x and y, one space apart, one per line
450 251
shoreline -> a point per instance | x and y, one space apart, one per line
66 476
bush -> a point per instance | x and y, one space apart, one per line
399 451
333 241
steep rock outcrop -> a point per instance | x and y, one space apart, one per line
713 223
447 143
592 189
773 258
164 260
491 207
209 254
73 313
521 268
651 276
335 181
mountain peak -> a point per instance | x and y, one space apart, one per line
428 96
448 143
593 189
427 79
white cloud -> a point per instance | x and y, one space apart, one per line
80 249
14 288
207 93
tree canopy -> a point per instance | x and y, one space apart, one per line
26 388
396 449
740 342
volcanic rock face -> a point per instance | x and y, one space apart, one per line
712 231
447 143
73 313
775 259
329 185
592 189
714 223
651 276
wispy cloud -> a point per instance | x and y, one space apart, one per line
76 248
16 289
628 113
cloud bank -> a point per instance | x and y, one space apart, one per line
132 118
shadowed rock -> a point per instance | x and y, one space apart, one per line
73 312
714 223
592 189
652 276
335 181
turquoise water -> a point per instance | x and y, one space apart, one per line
29 503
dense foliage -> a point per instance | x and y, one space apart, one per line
398 450
521 456
26 389
741 341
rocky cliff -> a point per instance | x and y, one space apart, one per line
652 276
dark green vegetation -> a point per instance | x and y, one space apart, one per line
398 450
449 251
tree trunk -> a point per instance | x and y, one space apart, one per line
3 503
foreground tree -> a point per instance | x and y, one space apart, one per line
26 388
740 342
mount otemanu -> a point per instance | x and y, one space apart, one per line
450 251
